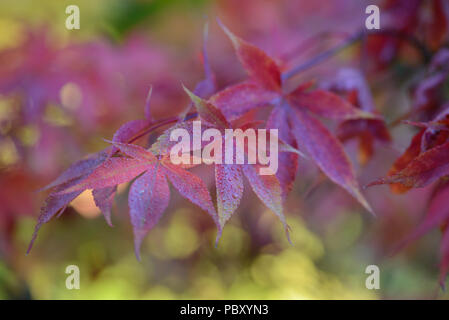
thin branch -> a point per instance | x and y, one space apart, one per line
426 54
308 64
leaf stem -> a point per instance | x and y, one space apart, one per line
156 125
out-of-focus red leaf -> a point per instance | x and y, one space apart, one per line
351 81
327 152
148 198
367 131
422 170
413 150
438 29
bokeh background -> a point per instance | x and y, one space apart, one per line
62 92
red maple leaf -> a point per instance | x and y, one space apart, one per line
425 161
294 114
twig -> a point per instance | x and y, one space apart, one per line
426 54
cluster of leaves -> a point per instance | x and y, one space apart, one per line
344 99
294 113
409 20
426 160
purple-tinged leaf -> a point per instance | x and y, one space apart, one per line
192 188
328 105
327 152
112 172
104 199
78 169
54 204
128 131
148 198
208 112
163 144
229 182
238 99
288 162
208 86
135 151
350 80
268 190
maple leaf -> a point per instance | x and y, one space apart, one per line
150 196
229 177
265 88
59 199
424 161
104 198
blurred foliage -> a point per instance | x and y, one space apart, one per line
253 259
